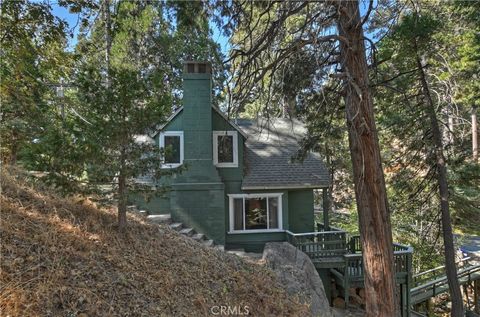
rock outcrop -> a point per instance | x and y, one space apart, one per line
297 273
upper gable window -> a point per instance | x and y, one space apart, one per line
225 148
172 144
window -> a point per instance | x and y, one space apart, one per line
255 212
172 144
202 68
225 148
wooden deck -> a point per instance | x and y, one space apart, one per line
340 253
434 282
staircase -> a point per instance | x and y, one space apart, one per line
177 226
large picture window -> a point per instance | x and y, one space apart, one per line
172 144
255 212
225 148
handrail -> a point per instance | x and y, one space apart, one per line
314 233
331 227
443 279
439 268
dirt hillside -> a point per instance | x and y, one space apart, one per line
64 257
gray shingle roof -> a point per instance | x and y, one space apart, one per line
269 149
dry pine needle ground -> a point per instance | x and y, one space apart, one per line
64 257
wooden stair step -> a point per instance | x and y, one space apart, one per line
176 226
160 218
198 237
219 247
187 231
208 243
238 252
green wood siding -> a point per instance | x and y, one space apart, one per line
252 242
300 208
199 196
157 205
200 206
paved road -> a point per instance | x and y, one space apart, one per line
470 245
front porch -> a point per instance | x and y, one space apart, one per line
337 255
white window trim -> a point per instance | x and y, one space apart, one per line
257 195
162 145
234 134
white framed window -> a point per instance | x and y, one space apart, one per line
172 144
255 212
225 148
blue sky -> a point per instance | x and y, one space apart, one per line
71 19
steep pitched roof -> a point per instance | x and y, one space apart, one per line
269 149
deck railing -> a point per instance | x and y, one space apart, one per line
434 282
322 244
321 227
402 254
335 246
354 244
336 243
435 273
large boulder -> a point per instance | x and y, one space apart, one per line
297 273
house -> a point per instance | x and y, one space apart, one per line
239 186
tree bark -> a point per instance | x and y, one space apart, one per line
108 40
370 191
474 134
122 202
451 270
12 160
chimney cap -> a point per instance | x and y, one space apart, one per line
197 67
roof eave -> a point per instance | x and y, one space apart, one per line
236 127
305 186
173 115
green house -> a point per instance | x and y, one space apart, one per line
239 186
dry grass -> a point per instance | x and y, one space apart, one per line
64 257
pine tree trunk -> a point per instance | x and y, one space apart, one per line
474 134
370 191
12 160
122 203
451 270
108 40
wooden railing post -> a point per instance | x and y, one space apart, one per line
408 284
476 296
326 209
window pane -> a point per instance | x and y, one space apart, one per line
238 214
273 213
225 148
256 213
172 149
